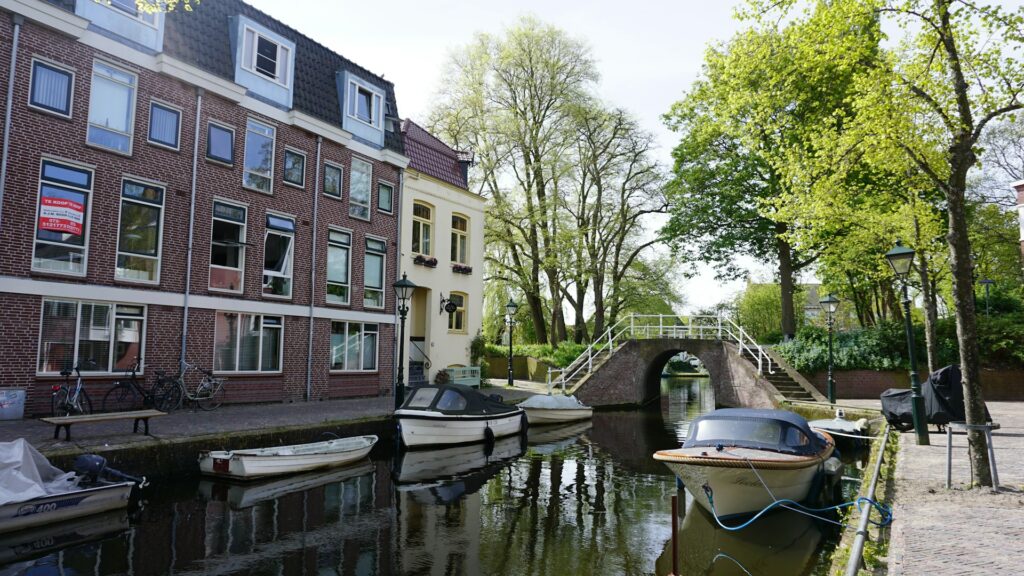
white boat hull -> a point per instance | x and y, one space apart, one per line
48 510
428 428
541 416
285 459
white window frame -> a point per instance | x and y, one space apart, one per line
146 18
290 257
341 180
284 166
228 128
330 243
131 117
242 247
369 192
238 346
245 155
78 329
86 222
456 232
362 337
149 125
393 189
465 315
71 86
383 271
250 66
430 226
160 234
376 104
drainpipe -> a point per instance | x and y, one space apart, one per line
398 273
312 273
191 230
18 21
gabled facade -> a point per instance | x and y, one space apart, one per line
189 185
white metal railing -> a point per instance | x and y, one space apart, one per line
649 326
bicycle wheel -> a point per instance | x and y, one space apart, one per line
210 395
84 403
59 403
170 399
120 398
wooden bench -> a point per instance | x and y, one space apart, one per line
65 422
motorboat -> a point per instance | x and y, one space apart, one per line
738 461
241 495
455 414
846 433
261 462
554 409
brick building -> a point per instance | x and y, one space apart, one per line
210 185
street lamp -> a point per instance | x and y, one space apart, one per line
988 282
831 304
901 259
403 289
510 313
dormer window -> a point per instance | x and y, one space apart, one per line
266 57
365 104
129 7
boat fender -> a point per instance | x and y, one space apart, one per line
488 435
719 448
524 423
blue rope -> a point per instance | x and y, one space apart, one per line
883 510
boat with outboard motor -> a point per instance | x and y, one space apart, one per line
455 414
738 461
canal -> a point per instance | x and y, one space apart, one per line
582 499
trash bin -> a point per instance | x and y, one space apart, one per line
12 403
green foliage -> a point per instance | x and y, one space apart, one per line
560 357
759 311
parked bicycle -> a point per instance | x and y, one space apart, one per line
71 399
130 393
207 395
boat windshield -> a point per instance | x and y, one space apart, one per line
451 401
741 430
422 398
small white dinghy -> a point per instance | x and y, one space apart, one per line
541 409
260 462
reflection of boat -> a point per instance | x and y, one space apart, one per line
541 409
251 493
36 542
549 439
455 414
732 451
285 459
442 463
782 542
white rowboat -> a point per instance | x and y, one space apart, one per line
541 410
261 462
57 508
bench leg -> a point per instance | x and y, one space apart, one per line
949 457
992 461
67 432
145 422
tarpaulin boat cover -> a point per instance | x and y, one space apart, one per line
943 400
446 398
26 474
775 430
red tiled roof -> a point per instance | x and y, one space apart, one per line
431 156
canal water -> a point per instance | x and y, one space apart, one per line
574 500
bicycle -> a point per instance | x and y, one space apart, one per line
207 394
125 394
68 400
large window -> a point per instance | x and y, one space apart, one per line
247 342
339 266
359 189
138 239
457 319
294 167
258 172
51 88
332 180
74 332
460 239
111 108
227 247
373 273
353 346
385 197
61 240
421 225
220 143
278 247
164 124
364 104
265 57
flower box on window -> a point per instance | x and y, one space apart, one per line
425 261
462 269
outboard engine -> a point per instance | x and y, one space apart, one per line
93 467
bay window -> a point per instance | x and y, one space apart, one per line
354 346
74 332
61 240
339 245
373 273
139 232
460 239
258 169
359 189
278 247
111 108
247 342
227 247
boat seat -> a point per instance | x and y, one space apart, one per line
987 429
65 422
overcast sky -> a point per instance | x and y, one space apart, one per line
647 52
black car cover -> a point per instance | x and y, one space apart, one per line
943 401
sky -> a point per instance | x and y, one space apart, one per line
647 52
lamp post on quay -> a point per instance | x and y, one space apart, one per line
831 304
901 259
510 320
403 290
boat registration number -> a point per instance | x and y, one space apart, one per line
221 464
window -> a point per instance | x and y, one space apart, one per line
61 231
247 342
421 224
339 266
75 332
373 273
111 108
364 104
138 239
129 7
422 397
220 143
451 401
227 247
460 239
332 180
385 197
164 122
51 88
359 189
277 256
353 346
295 167
266 57
258 170
457 319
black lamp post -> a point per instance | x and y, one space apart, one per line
901 259
988 282
403 289
510 314
831 304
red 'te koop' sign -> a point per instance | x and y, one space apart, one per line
61 215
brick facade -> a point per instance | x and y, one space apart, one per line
37 134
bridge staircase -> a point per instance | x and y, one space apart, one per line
784 383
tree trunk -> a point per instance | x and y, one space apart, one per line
786 282
540 328
931 314
580 325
